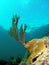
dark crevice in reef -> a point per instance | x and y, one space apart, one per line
34 59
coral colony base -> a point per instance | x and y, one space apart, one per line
38 49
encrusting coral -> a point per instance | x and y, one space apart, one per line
35 47
37 51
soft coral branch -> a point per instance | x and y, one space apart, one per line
14 30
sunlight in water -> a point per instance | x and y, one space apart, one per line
24 2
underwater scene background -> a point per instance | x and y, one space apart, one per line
33 13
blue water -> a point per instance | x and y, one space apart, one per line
35 13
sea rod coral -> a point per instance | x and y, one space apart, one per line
15 32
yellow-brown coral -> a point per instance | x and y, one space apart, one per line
35 47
